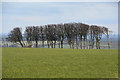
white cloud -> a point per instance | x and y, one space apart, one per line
94 13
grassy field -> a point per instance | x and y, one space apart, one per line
59 63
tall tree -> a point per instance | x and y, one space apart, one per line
96 33
60 34
47 35
54 34
106 31
92 35
51 34
42 35
36 35
85 30
68 34
16 36
99 36
69 30
80 34
76 25
28 35
72 32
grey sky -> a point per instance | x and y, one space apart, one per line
21 14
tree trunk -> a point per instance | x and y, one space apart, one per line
36 43
51 44
48 44
97 42
73 44
92 43
81 42
21 43
84 42
43 44
69 43
76 42
92 40
54 43
61 43
108 40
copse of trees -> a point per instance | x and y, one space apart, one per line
76 34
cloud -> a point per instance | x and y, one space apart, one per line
25 14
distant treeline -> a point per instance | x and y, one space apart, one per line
76 34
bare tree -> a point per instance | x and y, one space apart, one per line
72 32
85 30
99 36
106 31
58 31
36 34
80 34
47 35
92 35
28 35
16 36
96 33
42 35
60 34
51 34
76 32
68 34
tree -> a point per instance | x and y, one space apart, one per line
60 34
76 34
42 35
85 30
67 33
36 35
80 35
47 35
106 32
58 31
54 34
99 36
97 31
51 34
28 35
92 35
72 34
16 36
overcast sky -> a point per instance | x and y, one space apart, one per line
22 14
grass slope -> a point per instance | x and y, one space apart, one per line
59 63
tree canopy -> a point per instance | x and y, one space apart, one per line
74 33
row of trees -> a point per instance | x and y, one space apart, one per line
74 33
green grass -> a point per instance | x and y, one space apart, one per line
59 63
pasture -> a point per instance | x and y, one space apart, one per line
59 63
